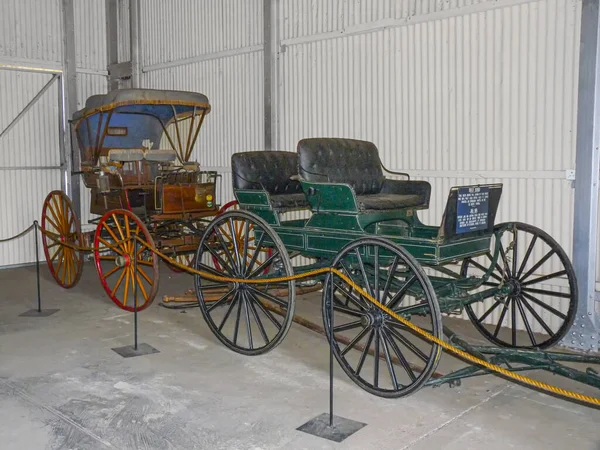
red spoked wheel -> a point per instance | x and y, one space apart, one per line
60 224
115 263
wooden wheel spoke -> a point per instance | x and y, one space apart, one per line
350 312
110 247
355 341
236 296
525 321
261 327
546 292
145 276
501 319
142 262
489 311
126 292
347 326
526 258
408 344
403 362
267 296
351 297
58 252
364 273
388 282
119 280
110 272
248 325
364 353
56 227
388 359
547 307
400 294
141 287
537 265
534 313
545 278
114 237
221 300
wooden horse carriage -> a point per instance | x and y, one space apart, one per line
135 147
513 280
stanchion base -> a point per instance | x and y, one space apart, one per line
341 429
36 313
129 351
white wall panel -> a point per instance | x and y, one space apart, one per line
174 30
30 34
459 92
30 29
233 84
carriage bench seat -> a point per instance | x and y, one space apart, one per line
271 172
161 155
356 163
126 154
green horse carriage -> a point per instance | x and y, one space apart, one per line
513 280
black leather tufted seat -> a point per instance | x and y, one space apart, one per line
357 163
269 171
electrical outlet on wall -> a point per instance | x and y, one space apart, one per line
570 174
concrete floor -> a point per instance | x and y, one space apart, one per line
62 387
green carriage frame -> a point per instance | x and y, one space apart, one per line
366 225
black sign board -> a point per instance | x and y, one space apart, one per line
472 207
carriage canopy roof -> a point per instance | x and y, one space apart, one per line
124 118
142 101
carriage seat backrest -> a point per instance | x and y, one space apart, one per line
268 170
126 154
338 160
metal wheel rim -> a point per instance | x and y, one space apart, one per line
523 307
229 295
430 361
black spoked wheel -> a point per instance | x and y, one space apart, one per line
377 352
247 318
541 304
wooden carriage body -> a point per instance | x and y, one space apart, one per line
135 147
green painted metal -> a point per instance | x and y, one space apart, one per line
519 360
335 221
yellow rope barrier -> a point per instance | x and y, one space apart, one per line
465 355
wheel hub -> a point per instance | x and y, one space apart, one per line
515 287
373 319
123 261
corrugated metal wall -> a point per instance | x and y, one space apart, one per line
30 34
454 92
216 48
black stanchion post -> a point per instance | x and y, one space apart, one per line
37 265
331 352
322 426
129 351
135 298
38 312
